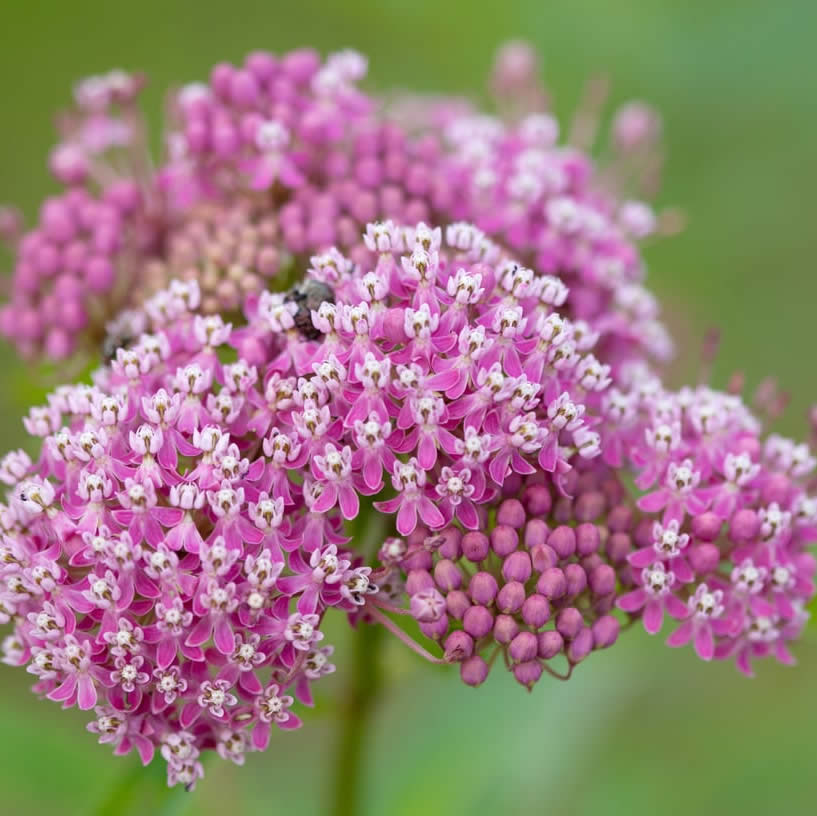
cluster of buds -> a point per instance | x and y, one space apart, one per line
285 156
539 586
231 252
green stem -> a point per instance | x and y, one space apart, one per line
355 715
141 790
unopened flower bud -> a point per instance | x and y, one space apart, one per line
523 647
504 540
706 526
473 671
581 645
511 513
589 506
475 546
537 500
447 575
587 539
477 621
549 644
552 583
517 567
569 622
483 588
458 646
456 604
505 629
563 541
528 673
605 631
576 579
536 611
511 597
536 532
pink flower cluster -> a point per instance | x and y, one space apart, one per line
483 387
73 272
726 553
163 553
290 158
159 563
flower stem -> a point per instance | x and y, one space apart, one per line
355 715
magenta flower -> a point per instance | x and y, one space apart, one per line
706 608
679 496
654 596
169 555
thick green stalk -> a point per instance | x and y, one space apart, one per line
364 673
355 714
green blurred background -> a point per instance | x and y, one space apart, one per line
641 729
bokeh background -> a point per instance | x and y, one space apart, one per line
641 729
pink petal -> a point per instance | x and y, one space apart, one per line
676 607
653 616
327 499
166 652
467 514
168 516
430 514
784 655
654 501
388 506
190 713
499 467
683 572
145 748
291 723
427 452
682 635
87 697
260 736
632 601
372 472
201 632
744 664
705 643
444 380
642 558
223 635
349 502
406 517
249 683
65 691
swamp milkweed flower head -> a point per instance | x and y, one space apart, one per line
284 157
460 352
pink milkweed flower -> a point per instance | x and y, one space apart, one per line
679 495
334 469
455 490
654 596
668 545
409 479
706 608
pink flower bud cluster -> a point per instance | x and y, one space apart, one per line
288 157
74 271
65 280
231 250
537 587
